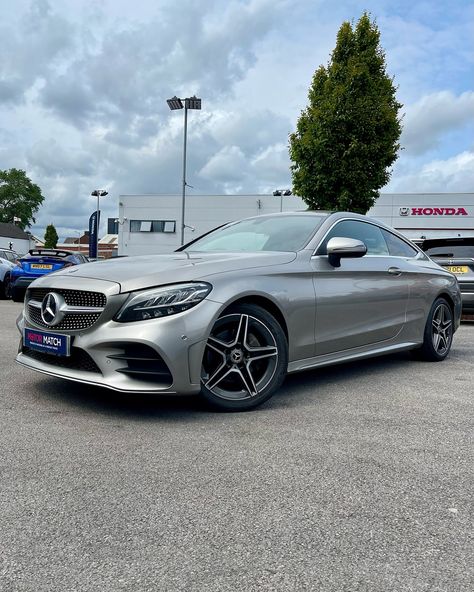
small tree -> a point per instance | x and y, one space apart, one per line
50 237
347 137
19 197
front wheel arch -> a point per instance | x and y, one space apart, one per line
267 305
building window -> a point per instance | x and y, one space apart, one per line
152 225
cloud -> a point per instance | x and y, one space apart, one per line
49 159
432 116
32 49
228 166
183 49
455 174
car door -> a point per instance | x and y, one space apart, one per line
362 302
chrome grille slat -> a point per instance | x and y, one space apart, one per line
72 297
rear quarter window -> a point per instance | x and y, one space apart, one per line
398 247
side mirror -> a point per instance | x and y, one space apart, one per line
340 247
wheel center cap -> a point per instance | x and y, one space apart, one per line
236 356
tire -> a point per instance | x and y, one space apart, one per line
5 287
438 335
245 360
17 295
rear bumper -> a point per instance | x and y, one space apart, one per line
22 282
467 301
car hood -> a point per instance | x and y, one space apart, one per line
137 273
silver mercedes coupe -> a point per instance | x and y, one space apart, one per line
231 313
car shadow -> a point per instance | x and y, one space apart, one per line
148 407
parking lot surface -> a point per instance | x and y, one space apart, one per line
355 477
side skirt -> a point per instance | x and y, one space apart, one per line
348 356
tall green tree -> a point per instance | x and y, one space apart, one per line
50 237
348 136
19 197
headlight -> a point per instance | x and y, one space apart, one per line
162 302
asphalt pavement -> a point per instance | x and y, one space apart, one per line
353 478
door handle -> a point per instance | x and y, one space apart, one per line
394 271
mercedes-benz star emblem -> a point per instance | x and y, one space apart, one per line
52 311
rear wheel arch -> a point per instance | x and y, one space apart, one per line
449 300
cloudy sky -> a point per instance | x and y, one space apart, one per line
83 89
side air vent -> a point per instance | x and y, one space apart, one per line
142 362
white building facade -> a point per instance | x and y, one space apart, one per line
151 223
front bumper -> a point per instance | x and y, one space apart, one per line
178 340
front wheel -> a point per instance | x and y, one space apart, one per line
245 359
439 330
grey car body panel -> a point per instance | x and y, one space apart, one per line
331 314
138 273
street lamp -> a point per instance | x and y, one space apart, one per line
280 193
174 104
98 193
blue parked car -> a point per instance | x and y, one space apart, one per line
36 263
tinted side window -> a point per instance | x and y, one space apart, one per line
398 247
369 234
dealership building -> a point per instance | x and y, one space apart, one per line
151 223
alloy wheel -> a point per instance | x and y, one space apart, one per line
442 329
241 357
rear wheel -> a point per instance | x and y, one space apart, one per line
439 330
5 287
245 359
18 295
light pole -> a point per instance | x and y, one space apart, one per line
189 103
280 193
98 193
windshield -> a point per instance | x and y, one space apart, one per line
276 233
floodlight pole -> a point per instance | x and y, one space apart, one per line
98 193
183 197
189 103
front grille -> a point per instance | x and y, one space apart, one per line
142 363
72 297
73 321
78 360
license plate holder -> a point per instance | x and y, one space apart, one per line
48 343
457 269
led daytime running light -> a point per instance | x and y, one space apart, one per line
160 302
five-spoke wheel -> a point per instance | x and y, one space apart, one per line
245 358
439 332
